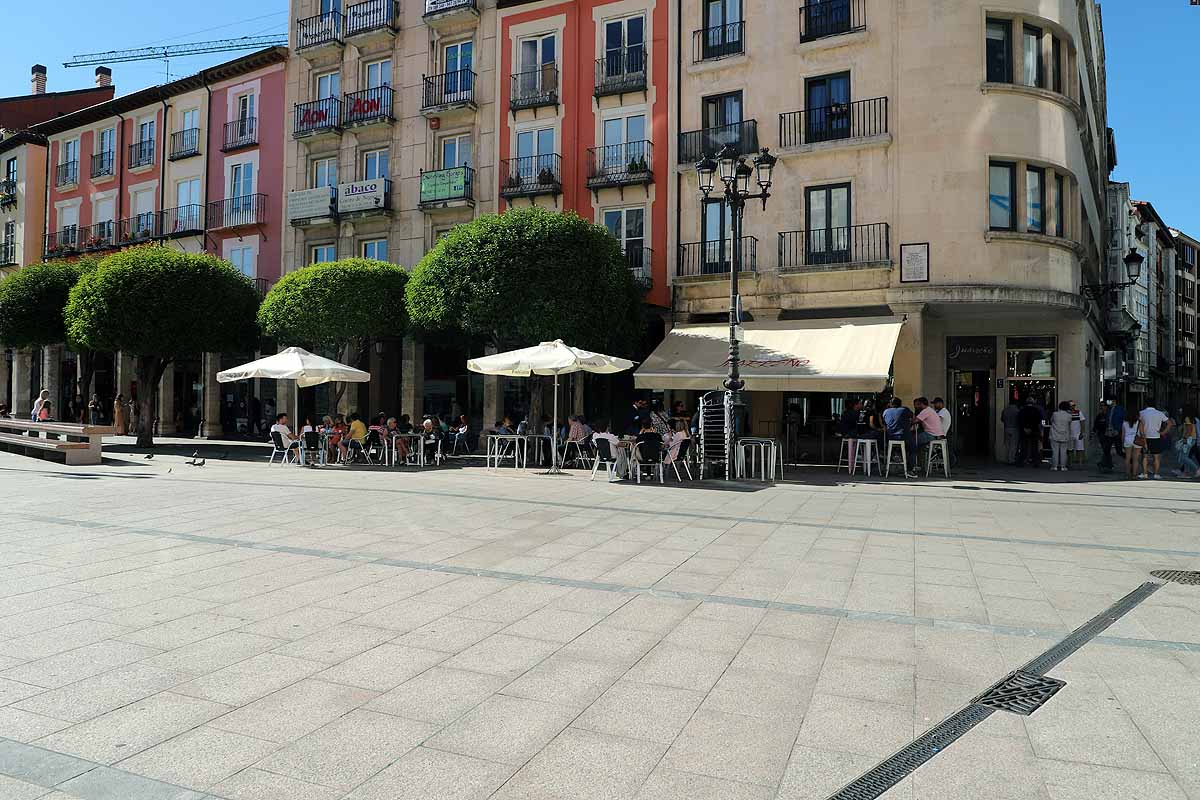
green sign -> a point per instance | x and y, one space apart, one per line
444 184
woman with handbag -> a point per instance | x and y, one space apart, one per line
1188 468
1133 445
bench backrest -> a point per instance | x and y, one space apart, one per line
61 428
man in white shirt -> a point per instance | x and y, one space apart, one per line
285 433
1153 425
939 405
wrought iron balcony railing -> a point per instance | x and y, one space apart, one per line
373 15
719 41
184 143
856 120
141 153
449 89
531 175
66 173
694 145
832 17
620 164
623 69
139 228
435 7
8 191
8 253
248 209
716 257
534 88
367 106
242 132
101 236
318 115
320 30
447 185
640 260
103 164
834 248
182 220
64 241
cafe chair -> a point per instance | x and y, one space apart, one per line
939 456
310 448
896 446
581 454
650 457
604 455
846 455
286 454
681 457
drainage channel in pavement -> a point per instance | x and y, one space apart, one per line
1022 691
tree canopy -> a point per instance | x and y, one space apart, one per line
339 304
32 301
528 276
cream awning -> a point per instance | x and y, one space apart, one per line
843 355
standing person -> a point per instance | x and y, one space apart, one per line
1011 419
120 421
1108 431
1078 447
1030 422
1133 446
1188 467
1061 442
847 425
1153 425
42 398
634 424
95 409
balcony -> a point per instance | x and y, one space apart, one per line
842 121
104 164
368 107
364 198
621 70
619 165
320 32
181 221
447 188
240 133
8 192
531 176
101 236
446 14
8 253
448 92
535 88
715 258
640 261
66 173
694 145
184 144
380 17
719 41
141 154
315 206
64 242
826 18
855 247
139 228
237 212
318 117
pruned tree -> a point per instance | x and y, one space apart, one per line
529 276
32 301
156 305
343 305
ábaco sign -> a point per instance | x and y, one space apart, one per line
362 196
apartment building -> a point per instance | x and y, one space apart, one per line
943 165
195 164
1156 349
1187 371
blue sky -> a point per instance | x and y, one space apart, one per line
1153 90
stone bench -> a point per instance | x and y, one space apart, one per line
64 442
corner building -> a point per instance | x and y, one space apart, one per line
944 164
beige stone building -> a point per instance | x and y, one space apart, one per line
940 163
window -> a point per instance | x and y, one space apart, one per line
535 152
375 249
1032 44
456 151
716 224
1001 188
538 57
323 253
241 180
146 131
106 141
10 170
999 51
722 109
103 211
1060 200
1057 66
324 172
378 74
68 219
328 85
628 226
827 224
1035 199
143 212
624 142
331 6
242 259
70 151
190 119
827 112
187 200
10 238
375 164
245 116
722 28
624 46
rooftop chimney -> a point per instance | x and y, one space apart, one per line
103 76
39 79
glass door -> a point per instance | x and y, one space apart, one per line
456 151
624 145
628 226
826 18
245 117
718 230
187 215
827 237
459 60
722 118
241 187
538 59
375 165
535 154
722 28
624 47
828 107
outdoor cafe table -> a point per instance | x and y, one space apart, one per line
414 440
495 449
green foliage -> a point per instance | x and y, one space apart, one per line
529 276
157 302
336 303
32 302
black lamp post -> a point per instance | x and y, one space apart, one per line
735 174
1133 269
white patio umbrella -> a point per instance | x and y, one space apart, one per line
295 364
548 358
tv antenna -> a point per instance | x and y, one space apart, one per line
167 52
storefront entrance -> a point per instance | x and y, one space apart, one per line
972 428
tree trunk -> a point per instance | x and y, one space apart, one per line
149 371
87 370
339 387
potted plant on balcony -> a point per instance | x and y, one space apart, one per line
839 111
545 177
513 182
638 166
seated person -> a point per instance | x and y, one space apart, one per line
461 431
285 433
399 443
404 425
505 427
898 427
618 453
357 435
927 424
847 426
337 439
649 442
675 439
46 413
431 436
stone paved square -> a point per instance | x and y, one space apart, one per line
254 632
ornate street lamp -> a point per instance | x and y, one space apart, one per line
736 176
1133 268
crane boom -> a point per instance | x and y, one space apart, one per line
176 50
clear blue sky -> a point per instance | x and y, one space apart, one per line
1153 90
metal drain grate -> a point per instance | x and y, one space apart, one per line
1089 630
905 761
1020 693
1177 576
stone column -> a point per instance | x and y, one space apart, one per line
22 373
125 374
211 427
909 361
412 376
166 402
375 401
493 394
52 377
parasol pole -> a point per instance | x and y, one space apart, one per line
554 432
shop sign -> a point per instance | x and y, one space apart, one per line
362 195
971 352
444 184
309 204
